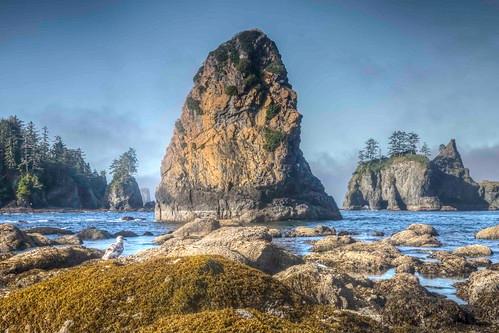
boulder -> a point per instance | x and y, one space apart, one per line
13 239
49 231
127 218
198 228
418 235
275 233
94 234
377 233
125 233
47 258
148 233
41 240
358 257
324 286
161 239
410 304
69 240
488 233
481 291
475 250
235 151
248 245
448 265
331 242
302 231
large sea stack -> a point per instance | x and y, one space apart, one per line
413 182
235 152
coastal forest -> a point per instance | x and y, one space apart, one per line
37 171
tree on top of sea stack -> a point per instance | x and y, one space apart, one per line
235 152
123 191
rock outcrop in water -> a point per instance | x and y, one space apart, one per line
235 149
124 194
412 182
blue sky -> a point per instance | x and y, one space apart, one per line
106 75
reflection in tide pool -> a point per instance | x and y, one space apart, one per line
455 229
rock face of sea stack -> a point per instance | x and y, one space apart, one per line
235 152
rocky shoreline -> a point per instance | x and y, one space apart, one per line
206 270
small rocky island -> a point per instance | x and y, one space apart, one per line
235 152
411 181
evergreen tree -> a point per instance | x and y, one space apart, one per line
30 155
45 145
425 150
397 143
412 140
362 156
441 147
125 165
58 151
372 150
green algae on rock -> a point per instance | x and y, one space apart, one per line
110 297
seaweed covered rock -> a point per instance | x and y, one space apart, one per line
475 250
481 290
447 265
357 257
324 286
235 152
331 242
419 235
317 320
488 233
31 267
408 304
108 296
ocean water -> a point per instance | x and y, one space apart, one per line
455 229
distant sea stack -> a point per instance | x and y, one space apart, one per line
413 182
235 152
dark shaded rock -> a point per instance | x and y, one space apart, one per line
408 303
148 233
124 194
49 231
13 238
94 234
125 233
235 152
128 218
489 191
377 233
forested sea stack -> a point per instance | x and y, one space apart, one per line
411 181
235 151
